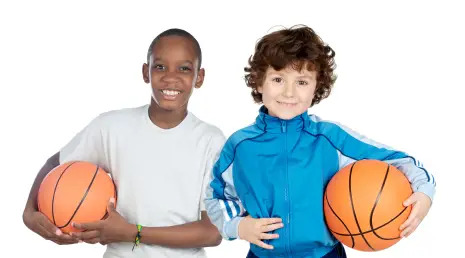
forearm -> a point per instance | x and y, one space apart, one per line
190 235
52 162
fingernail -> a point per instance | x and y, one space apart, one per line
58 232
112 200
80 241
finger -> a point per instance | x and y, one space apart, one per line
267 221
49 227
45 233
65 237
268 228
92 241
411 228
406 232
411 217
268 236
111 205
59 239
410 200
53 235
87 226
86 235
64 242
263 245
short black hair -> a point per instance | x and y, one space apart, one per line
176 32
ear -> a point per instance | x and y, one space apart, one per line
145 73
260 89
200 77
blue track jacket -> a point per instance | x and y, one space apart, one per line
280 168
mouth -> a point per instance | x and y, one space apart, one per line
170 94
286 104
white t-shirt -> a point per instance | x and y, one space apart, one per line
160 174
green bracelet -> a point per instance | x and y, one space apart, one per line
138 237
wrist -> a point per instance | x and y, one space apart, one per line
131 233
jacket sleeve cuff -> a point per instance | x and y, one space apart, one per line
427 189
231 228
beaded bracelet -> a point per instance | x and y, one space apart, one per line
137 239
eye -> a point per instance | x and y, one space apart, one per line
159 67
277 79
185 69
302 83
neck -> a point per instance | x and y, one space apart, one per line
166 119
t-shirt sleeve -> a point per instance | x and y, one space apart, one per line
216 144
87 145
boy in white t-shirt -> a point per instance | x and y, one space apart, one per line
160 157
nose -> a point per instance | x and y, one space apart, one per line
170 76
289 90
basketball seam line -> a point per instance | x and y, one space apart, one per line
54 191
350 233
353 208
83 198
368 231
376 203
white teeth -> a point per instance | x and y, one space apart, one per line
170 92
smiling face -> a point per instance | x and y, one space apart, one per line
288 93
173 71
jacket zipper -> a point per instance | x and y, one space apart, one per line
286 193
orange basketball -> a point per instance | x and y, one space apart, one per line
75 192
363 205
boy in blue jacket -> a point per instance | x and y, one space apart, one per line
269 180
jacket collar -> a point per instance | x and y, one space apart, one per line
273 124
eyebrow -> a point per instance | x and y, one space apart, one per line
305 76
279 73
184 61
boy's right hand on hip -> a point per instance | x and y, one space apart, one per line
255 230
37 222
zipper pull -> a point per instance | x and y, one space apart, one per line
283 126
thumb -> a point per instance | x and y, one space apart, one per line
111 205
410 200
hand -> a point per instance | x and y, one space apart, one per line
39 223
254 230
421 205
112 229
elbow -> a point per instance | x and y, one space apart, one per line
214 238
217 240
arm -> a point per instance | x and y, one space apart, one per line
35 220
115 229
194 234
222 202
86 145
226 211
352 146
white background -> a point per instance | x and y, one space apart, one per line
400 68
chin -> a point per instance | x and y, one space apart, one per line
286 116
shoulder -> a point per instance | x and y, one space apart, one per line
319 126
241 135
120 115
204 129
116 119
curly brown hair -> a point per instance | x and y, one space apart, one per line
298 47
